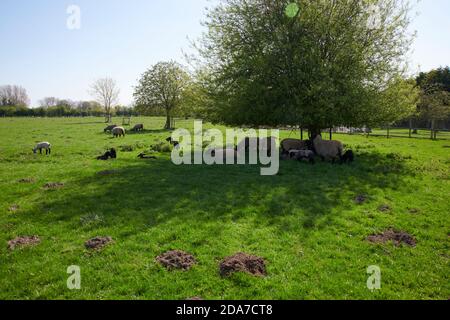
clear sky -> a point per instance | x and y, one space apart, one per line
122 38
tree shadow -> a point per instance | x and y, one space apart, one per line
149 131
148 193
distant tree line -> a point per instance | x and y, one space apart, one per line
433 107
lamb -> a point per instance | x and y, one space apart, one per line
172 142
108 154
143 155
138 127
118 132
294 144
109 128
348 157
303 155
328 149
43 145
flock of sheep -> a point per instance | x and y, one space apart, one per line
120 131
291 149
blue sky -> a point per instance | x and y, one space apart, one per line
122 38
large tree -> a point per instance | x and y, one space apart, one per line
105 92
317 63
13 96
162 87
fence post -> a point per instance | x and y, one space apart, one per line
331 134
301 133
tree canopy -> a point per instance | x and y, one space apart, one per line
318 63
162 87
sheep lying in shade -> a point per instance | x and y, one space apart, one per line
300 155
328 150
294 144
109 128
118 132
43 145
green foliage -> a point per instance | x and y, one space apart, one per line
162 87
332 64
435 80
435 94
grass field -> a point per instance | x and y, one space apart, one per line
304 221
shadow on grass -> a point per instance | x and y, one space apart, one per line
148 193
149 131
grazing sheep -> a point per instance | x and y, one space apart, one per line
43 145
172 142
138 127
348 156
294 144
328 149
109 128
118 132
303 155
108 154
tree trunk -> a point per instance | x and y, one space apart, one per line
168 125
314 132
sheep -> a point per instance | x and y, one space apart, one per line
109 128
328 149
43 145
145 156
348 157
108 154
138 127
172 142
118 132
294 144
255 144
303 155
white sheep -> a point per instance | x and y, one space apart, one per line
118 131
43 145
328 149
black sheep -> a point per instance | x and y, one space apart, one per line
348 156
108 154
144 156
174 143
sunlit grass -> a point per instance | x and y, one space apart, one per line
303 221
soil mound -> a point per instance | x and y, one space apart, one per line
242 262
397 237
24 241
176 259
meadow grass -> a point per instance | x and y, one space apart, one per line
304 221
